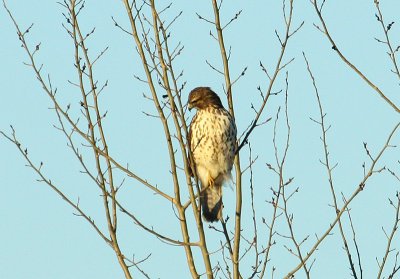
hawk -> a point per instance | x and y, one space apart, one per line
212 140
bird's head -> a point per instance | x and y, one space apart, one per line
203 97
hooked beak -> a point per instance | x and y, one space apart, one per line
190 106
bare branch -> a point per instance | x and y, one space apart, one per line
352 66
356 192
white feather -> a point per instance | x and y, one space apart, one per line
213 145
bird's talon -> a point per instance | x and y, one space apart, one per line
210 182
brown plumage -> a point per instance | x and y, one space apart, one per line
212 139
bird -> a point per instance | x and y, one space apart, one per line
212 143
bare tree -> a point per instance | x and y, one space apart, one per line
245 251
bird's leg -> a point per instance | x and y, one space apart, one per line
210 181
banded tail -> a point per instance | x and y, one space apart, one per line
211 203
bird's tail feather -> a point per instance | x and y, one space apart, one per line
211 203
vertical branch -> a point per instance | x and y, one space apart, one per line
165 78
179 111
354 240
328 166
228 85
392 234
139 46
238 212
275 203
79 44
99 118
224 56
284 184
255 238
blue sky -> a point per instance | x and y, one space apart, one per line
43 239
